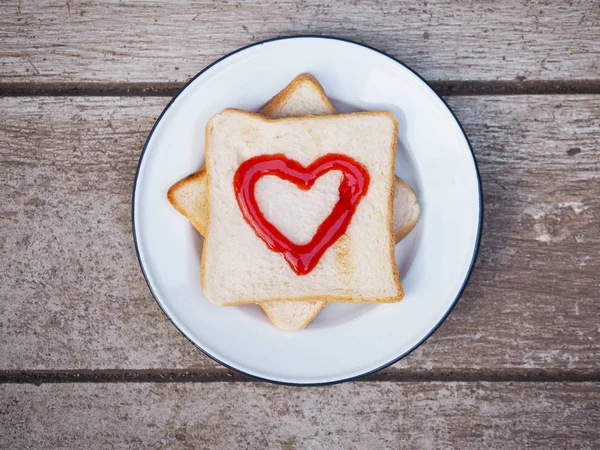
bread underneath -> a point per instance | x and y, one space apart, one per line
303 96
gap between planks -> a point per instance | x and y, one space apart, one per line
39 377
445 88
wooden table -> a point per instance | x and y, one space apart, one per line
88 360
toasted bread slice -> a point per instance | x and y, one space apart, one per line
303 96
406 210
239 268
189 197
292 316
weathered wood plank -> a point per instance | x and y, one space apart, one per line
536 285
71 284
249 415
145 41
73 296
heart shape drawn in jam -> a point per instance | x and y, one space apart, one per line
301 258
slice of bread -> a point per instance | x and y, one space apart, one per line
189 197
303 96
406 210
292 316
237 265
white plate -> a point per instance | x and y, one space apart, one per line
434 261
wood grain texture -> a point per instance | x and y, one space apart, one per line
71 281
145 41
249 415
73 296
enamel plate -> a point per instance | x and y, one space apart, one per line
344 341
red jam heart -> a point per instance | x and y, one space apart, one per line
301 258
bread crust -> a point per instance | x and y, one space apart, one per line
270 108
199 223
403 232
392 243
301 325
